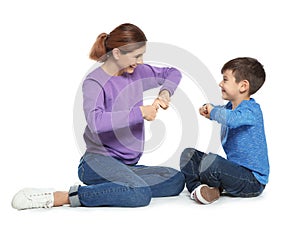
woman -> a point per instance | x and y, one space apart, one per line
114 135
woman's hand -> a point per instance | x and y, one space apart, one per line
149 112
162 100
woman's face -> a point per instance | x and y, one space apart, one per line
129 61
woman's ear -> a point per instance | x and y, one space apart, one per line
244 86
116 53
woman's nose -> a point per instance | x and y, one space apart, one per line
140 60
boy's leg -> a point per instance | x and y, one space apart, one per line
236 180
189 164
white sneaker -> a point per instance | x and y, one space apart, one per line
205 194
28 198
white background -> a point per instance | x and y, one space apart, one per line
44 47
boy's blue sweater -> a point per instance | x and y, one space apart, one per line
243 136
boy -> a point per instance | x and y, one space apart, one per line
245 171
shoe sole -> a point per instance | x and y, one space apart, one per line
206 195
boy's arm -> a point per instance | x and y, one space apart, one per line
206 109
231 118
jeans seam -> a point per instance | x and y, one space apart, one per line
88 194
250 181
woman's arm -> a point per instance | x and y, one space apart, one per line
166 77
98 119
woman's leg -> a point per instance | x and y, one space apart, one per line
112 183
163 181
61 198
109 182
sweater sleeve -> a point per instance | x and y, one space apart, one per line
99 120
241 116
166 77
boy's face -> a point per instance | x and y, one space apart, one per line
229 87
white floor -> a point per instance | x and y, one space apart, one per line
179 211
44 47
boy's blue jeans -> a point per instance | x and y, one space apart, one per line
109 182
216 171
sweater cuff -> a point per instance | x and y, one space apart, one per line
213 113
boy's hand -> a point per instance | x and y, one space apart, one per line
205 110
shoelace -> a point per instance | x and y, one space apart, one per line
42 200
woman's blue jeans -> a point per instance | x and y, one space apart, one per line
216 171
109 182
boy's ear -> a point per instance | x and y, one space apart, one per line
244 86
116 53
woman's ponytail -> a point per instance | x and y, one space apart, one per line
98 51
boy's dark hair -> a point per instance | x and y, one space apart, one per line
245 68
